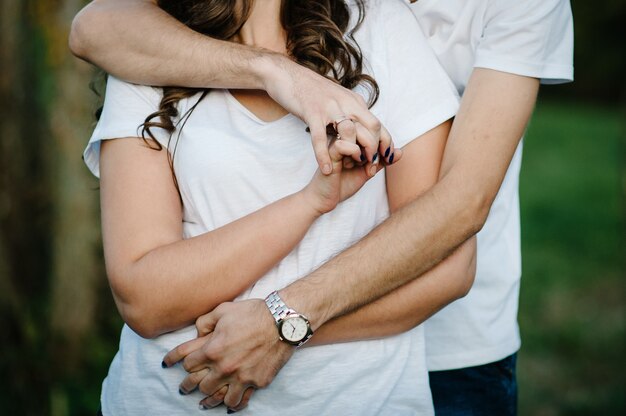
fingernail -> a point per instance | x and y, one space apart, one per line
203 407
391 158
362 157
387 151
163 365
373 170
374 157
308 130
327 169
230 411
182 392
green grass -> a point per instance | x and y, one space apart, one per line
572 311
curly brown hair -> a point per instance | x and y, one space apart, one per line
316 39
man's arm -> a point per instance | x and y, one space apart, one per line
494 112
243 344
137 41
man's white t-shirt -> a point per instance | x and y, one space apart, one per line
532 38
228 164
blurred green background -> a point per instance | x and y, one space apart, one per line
60 328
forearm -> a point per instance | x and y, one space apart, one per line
137 41
493 115
407 306
172 285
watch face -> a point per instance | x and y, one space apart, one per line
294 329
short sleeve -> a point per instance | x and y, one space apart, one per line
415 91
532 38
126 107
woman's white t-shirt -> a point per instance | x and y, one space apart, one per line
228 164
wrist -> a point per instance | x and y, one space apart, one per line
272 69
308 204
306 303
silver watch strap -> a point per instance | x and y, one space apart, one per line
277 307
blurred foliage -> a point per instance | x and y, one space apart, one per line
59 325
572 312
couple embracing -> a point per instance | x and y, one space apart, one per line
258 276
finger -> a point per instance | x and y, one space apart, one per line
367 142
319 139
341 148
348 163
197 360
190 383
206 323
386 146
211 383
215 399
244 400
182 351
361 114
234 395
346 129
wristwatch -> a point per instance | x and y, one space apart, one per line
293 328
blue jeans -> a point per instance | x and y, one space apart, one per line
484 390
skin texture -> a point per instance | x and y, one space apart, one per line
120 37
494 112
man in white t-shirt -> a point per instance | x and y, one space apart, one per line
496 52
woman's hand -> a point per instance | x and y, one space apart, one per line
325 192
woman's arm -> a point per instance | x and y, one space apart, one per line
137 41
413 303
161 282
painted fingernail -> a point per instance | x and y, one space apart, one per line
362 157
203 407
387 151
230 411
391 158
374 157
308 130
163 365
182 392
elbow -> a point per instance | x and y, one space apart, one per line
135 309
82 33
467 278
475 211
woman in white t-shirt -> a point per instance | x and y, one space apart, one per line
247 212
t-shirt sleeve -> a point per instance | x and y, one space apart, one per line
126 107
532 38
415 91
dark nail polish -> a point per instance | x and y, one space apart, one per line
308 130
387 151
374 157
203 407
163 365
362 157
181 392
230 411
391 158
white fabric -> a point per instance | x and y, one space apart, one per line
229 164
531 38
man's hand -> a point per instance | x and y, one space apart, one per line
237 350
320 102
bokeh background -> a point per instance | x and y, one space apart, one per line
59 328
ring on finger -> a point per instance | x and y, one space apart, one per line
340 120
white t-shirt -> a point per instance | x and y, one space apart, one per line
229 164
531 38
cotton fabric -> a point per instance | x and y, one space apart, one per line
532 38
229 163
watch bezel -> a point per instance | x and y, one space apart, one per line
301 341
